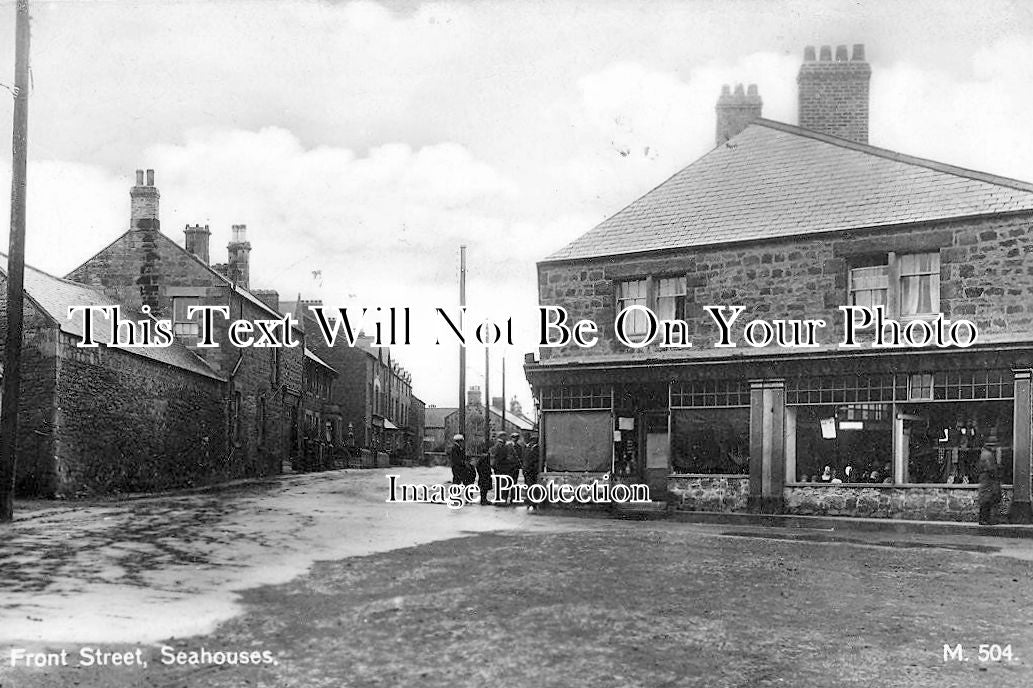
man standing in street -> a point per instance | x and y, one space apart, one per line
457 457
499 454
531 462
515 449
989 482
484 475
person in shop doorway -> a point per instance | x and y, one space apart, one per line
989 482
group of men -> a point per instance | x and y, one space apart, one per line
505 457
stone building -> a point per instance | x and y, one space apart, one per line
373 391
502 420
791 223
105 419
143 267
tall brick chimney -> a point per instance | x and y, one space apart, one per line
143 202
238 266
736 110
834 93
197 241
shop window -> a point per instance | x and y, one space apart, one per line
576 397
633 293
845 389
920 386
840 443
711 441
710 393
942 440
182 325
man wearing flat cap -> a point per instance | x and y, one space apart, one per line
457 457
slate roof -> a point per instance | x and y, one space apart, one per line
55 295
435 415
776 180
309 354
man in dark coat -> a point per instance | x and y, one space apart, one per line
515 450
484 476
531 462
989 482
499 456
457 457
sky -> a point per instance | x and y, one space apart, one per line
362 143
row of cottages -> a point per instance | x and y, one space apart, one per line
792 222
380 419
111 419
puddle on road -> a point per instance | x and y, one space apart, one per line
147 570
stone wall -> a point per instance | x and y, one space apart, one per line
986 276
129 424
34 470
709 492
929 503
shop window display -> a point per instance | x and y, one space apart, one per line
711 441
846 443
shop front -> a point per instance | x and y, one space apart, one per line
891 436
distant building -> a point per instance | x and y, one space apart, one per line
509 421
373 392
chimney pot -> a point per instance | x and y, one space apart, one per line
726 90
143 203
808 54
833 96
734 113
751 90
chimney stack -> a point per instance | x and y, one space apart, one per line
736 111
834 93
197 241
143 202
473 396
239 249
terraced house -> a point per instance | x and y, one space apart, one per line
793 222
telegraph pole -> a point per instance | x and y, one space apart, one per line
462 349
15 265
487 399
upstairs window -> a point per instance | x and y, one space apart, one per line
670 298
905 284
633 293
181 324
919 283
869 285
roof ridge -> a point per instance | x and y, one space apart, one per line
896 156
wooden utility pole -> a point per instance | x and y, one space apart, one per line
15 265
487 399
462 349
